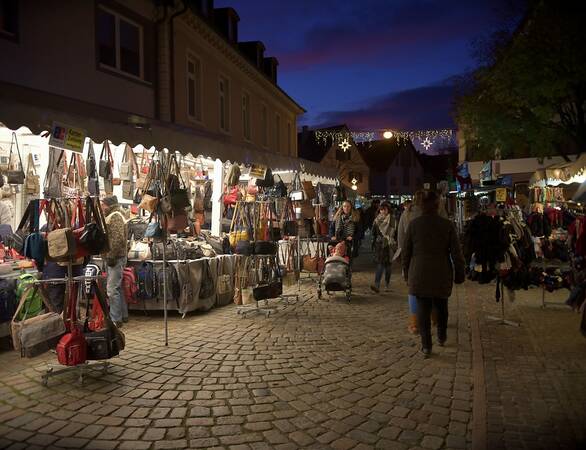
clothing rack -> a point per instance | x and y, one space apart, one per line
266 309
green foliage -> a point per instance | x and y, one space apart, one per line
533 97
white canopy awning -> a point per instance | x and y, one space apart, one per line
39 112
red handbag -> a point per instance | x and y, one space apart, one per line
231 197
177 221
72 348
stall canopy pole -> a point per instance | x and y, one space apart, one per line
217 190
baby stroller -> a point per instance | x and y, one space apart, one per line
336 275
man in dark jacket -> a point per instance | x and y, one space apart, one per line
432 258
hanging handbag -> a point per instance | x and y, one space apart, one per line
148 203
72 347
239 226
73 186
107 342
32 185
93 183
128 166
199 199
268 180
280 189
33 334
288 221
265 248
94 237
15 173
53 186
153 229
177 221
105 168
128 190
297 194
307 210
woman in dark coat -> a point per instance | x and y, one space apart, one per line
432 258
383 245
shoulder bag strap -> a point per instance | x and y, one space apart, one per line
234 216
25 217
30 166
13 141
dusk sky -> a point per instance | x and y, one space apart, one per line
372 64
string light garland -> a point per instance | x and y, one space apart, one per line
423 140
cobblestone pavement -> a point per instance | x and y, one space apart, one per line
535 373
318 374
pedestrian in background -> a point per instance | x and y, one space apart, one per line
115 258
345 226
383 243
432 260
411 211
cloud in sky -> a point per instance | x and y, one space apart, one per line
426 107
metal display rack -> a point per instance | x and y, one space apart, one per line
265 309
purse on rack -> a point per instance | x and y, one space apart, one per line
177 221
15 173
73 185
279 189
94 237
72 347
140 250
288 222
153 230
107 342
297 194
265 248
30 333
157 250
93 183
128 166
239 226
105 168
53 186
177 197
32 184
267 291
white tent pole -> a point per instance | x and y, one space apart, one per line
217 190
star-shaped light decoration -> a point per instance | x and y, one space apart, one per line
344 145
426 143
354 181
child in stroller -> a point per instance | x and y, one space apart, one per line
337 273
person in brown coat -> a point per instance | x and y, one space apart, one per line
432 259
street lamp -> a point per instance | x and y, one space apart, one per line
388 134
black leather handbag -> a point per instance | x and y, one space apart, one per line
266 291
107 342
265 248
243 248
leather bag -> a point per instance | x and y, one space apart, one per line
177 221
148 203
266 291
139 251
94 237
107 342
53 186
29 332
61 244
15 173
265 248
32 185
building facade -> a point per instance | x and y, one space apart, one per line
139 62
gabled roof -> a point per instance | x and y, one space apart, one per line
314 149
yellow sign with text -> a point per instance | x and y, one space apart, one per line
501 195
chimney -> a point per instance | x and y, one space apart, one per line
270 68
226 21
203 8
254 51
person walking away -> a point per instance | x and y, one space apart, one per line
115 258
412 209
383 230
344 226
432 261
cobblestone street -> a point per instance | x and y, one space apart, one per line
318 374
